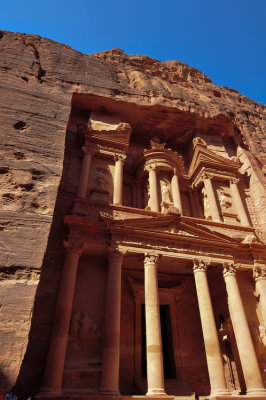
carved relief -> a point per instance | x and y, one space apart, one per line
206 205
101 184
83 342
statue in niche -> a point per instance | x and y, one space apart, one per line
225 201
84 340
101 184
166 199
165 193
147 198
206 205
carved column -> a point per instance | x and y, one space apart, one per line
111 343
259 274
155 374
210 336
154 201
85 172
176 192
237 201
54 368
244 341
118 180
211 198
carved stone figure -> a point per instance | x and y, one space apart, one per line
225 201
165 193
206 205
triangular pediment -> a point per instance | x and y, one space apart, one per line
203 157
172 226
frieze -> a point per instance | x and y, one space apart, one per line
171 246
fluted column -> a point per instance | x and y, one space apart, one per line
210 336
155 374
211 198
118 179
85 172
176 192
111 342
154 201
259 274
54 368
244 341
237 201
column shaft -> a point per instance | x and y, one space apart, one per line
176 193
244 341
53 375
154 201
212 200
155 374
84 174
111 344
118 181
210 336
238 204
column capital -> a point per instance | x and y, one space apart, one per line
229 269
200 265
150 167
259 272
233 180
151 259
119 157
114 255
73 249
88 150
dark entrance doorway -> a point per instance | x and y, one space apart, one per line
167 342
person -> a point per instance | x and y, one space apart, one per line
12 394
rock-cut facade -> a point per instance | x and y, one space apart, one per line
133 237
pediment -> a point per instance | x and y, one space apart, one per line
203 157
172 226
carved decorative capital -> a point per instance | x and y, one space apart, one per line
151 259
119 157
115 255
73 249
233 180
200 265
229 268
259 272
150 167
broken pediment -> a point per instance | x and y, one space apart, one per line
205 158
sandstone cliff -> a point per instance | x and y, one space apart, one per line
37 80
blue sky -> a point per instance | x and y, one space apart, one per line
225 39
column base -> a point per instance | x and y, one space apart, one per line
47 392
256 392
220 392
156 392
109 392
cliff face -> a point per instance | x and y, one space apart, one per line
38 78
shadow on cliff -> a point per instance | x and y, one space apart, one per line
31 371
